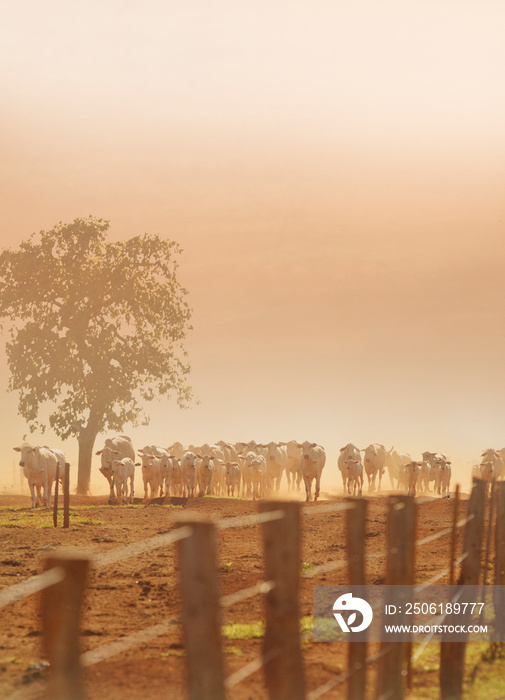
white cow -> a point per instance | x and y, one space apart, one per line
312 462
115 448
411 472
174 483
246 461
165 464
488 473
444 476
433 459
277 457
354 476
258 476
219 479
349 452
293 469
424 477
122 471
232 478
395 461
188 469
151 471
39 467
163 456
495 457
374 460
204 474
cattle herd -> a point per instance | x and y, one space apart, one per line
250 470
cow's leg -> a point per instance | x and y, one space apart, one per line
49 492
317 487
32 491
111 490
307 483
45 491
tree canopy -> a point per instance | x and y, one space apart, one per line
96 327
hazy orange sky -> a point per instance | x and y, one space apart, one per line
335 173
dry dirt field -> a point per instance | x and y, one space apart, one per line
141 591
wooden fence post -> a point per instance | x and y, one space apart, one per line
452 654
56 492
499 579
355 540
66 496
201 612
61 611
401 529
453 535
284 673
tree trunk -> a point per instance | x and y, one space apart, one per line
86 440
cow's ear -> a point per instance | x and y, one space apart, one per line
99 452
341 449
138 464
313 444
17 449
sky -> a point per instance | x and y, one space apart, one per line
334 173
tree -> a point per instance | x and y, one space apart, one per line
95 327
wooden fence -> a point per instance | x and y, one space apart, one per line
64 580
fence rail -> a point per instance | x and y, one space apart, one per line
281 659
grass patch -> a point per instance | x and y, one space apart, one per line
172 652
233 650
484 672
306 623
244 630
255 630
15 660
40 518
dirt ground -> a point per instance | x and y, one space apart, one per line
142 591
